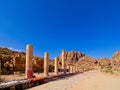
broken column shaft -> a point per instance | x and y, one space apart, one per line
63 59
29 57
46 65
56 66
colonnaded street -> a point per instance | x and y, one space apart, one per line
91 80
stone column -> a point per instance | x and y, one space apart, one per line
63 59
76 69
29 57
71 69
56 66
63 62
46 65
68 68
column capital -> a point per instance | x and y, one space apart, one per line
62 50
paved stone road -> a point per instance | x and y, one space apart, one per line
91 80
64 83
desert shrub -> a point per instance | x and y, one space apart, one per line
109 70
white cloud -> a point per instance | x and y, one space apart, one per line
12 49
15 49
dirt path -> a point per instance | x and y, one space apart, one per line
92 80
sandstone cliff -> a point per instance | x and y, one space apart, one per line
12 61
104 63
115 62
72 56
87 63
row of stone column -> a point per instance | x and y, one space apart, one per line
29 69
71 68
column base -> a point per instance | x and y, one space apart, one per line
46 75
56 74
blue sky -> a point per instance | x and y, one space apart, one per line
90 26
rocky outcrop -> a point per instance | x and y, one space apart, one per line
78 58
86 63
72 56
104 63
115 62
12 61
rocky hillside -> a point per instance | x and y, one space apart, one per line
72 56
12 61
104 63
87 63
115 62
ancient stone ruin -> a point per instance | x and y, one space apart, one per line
13 62
46 65
56 66
66 63
29 62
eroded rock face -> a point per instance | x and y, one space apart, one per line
72 56
38 64
80 60
86 63
104 63
12 61
19 62
115 62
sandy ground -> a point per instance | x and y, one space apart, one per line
98 81
91 80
